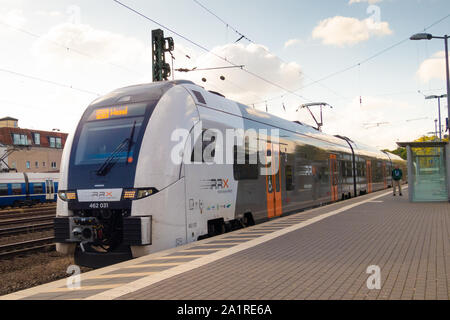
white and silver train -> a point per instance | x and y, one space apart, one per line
122 195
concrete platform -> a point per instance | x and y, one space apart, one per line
322 253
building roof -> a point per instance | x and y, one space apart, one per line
9 118
6 136
427 144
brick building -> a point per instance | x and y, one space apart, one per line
28 150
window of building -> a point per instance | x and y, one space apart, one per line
3 189
54 165
55 142
37 138
20 139
16 188
28 165
36 164
43 164
13 165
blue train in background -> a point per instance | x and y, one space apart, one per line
26 189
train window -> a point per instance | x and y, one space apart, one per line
3 189
289 178
16 188
38 188
247 170
205 148
100 139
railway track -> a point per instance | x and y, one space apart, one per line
23 247
26 229
34 211
25 221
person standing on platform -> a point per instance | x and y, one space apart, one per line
397 175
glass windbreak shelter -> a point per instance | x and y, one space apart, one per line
427 171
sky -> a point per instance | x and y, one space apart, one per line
83 49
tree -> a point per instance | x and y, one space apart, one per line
401 152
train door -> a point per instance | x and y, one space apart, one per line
211 190
273 181
369 175
49 190
384 175
333 177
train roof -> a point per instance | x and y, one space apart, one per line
210 98
154 91
137 93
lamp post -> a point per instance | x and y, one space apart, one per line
428 36
439 111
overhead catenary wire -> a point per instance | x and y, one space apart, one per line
71 49
331 75
251 41
241 36
19 74
207 50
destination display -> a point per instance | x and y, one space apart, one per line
114 112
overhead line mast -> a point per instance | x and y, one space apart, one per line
160 68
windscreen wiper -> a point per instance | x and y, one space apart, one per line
130 144
112 159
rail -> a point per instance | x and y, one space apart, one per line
26 229
28 246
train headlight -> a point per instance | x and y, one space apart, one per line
143 193
67 195
136 194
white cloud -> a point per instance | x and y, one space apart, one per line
13 17
291 42
108 59
368 1
52 13
378 122
433 68
341 31
240 85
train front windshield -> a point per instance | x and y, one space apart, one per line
110 133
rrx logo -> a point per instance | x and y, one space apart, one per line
216 184
101 194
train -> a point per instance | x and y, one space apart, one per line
148 168
26 189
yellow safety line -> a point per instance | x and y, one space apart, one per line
200 250
152 265
219 244
180 257
252 233
122 275
241 238
82 288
